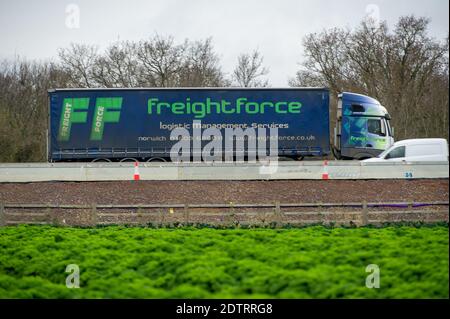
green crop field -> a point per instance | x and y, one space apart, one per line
310 262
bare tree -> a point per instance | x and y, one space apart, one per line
117 66
404 69
305 78
78 61
24 107
160 61
155 62
250 70
201 66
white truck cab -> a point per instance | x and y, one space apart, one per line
415 150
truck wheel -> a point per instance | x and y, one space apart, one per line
128 159
156 159
101 160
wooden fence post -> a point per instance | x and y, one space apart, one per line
94 215
278 214
2 215
321 215
365 219
321 218
232 214
54 217
161 217
139 216
186 214
48 214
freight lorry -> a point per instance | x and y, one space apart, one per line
136 124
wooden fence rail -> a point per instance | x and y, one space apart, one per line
359 214
229 205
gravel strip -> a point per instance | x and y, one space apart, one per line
199 192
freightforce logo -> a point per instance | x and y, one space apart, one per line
107 110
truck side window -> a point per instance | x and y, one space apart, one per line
375 126
397 152
383 128
388 125
356 108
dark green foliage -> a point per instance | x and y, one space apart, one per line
312 262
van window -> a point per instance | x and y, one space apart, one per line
376 126
397 152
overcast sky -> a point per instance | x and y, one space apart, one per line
36 29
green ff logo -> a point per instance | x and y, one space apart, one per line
74 110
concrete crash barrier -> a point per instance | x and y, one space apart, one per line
406 170
39 172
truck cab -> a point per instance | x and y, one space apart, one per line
362 129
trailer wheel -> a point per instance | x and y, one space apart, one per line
156 159
101 160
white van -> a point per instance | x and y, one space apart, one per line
415 150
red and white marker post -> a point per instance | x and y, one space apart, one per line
136 171
325 170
